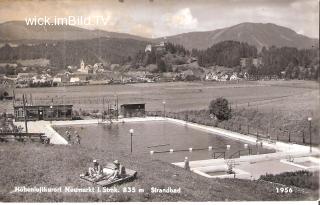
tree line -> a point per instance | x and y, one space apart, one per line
288 62
226 53
64 53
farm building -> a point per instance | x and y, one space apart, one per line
6 93
43 112
133 110
6 89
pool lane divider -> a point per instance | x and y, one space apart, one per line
160 145
210 148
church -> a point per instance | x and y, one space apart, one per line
83 68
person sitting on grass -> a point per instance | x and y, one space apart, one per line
116 171
95 171
98 173
78 138
68 135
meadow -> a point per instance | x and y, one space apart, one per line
284 96
59 166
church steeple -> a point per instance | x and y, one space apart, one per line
82 65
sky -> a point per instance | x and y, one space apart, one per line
157 18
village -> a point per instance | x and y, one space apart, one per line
35 74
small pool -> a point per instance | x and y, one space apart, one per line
160 137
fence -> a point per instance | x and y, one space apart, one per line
261 132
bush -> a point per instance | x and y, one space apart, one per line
302 179
220 109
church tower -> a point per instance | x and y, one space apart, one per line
82 65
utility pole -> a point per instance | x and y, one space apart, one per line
102 116
14 98
31 103
25 113
310 119
117 106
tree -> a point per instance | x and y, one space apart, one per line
220 108
161 66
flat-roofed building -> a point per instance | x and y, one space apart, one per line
43 112
133 110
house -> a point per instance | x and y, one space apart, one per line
159 47
211 76
256 62
168 76
234 76
148 48
74 80
97 68
57 80
246 62
224 77
23 79
10 65
26 76
83 77
244 75
62 78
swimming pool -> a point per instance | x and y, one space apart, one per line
160 137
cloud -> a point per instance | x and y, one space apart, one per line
142 30
170 17
182 19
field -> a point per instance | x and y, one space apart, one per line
283 96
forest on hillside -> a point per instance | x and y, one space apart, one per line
288 62
64 53
291 62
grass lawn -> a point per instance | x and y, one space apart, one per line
54 166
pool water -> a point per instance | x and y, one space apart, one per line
217 173
160 136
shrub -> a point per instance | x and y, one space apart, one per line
302 179
220 108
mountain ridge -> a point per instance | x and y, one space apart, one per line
257 34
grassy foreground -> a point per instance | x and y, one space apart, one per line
54 166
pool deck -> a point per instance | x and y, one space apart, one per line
251 164
55 138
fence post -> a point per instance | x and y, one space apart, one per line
303 138
289 136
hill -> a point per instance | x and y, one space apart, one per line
257 34
62 53
18 31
